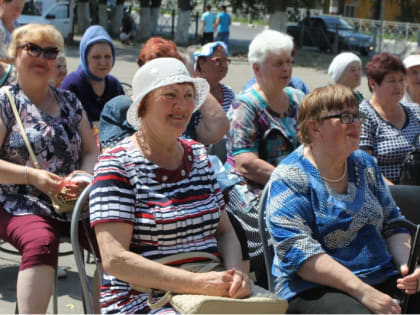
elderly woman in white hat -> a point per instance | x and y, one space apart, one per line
155 195
412 64
346 69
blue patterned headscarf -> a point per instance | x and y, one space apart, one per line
94 34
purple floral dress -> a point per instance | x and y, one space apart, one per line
56 142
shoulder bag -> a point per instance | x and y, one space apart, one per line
61 202
261 301
410 169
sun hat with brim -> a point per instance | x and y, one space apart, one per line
161 72
207 50
411 61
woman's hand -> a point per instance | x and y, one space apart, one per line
47 182
409 283
215 283
241 286
376 301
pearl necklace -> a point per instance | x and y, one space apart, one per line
337 180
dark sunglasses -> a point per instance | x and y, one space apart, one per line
347 118
33 50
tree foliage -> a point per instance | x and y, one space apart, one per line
258 7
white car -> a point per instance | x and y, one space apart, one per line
58 14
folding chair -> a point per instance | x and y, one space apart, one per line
407 197
79 252
265 237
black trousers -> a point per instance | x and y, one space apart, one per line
326 300
207 38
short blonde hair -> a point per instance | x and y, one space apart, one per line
319 103
35 32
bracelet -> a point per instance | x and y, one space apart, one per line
26 174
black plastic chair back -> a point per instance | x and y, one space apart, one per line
265 237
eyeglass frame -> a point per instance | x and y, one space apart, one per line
360 117
218 60
40 51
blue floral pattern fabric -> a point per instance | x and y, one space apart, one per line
56 142
305 217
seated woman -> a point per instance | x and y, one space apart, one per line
61 138
392 127
327 214
152 185
263 131
412 64
346 69
60 70
208 124
211 62
91 82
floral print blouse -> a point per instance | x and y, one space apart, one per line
56 142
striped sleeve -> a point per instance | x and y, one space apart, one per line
112 197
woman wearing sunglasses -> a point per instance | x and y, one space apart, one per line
211 63
91 82
61 138
327 213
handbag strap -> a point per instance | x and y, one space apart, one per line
204 266
21 128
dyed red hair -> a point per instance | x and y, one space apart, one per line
157 47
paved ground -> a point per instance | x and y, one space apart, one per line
125 67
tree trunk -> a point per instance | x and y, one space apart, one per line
83 16
102 15
116 19
183 24
154 18
278 21
144 32
277 15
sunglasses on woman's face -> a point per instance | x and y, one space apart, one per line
34 50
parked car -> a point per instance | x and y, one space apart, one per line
321 31
57 14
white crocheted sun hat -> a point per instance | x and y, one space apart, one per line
162 72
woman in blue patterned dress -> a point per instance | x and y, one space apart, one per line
327 214
155 195
61 138
392 127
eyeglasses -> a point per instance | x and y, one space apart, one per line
34 50
347 118
219 61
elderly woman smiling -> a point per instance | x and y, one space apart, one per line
328 211
154 195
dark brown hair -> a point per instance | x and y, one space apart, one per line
381 65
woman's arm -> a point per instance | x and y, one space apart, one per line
399 246
213 124
253 168
11 173
230 249
324 270
114 240
90 150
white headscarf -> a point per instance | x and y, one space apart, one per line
340 63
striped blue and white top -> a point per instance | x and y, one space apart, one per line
172 211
